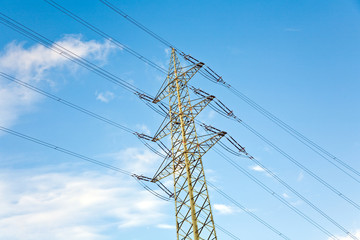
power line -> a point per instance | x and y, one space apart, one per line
127 17
92 114
82 21
209 74
18 27
99 163
236 203
313 146
284 201
223 110
104 35
297 163
21 30
67 103
81 109
220 108
109 76
63 150
92 160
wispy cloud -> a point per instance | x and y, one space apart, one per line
166 226
167 51
139 160
105 96
300 177
72 205
356 234
285 195
223 209
297 202
211 175
257 168
292 30
33 65
35 61
143 129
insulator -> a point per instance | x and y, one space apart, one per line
142 178
191 59
235 144
144 96
162 187
143 136
164 148
210 128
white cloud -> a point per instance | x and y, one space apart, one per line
105 96
14 100
33 65
257 168
72 205
167 52
223 209
297 203
139 160
356 234
300 177
166 226
285 195
211 175
34 62
143 129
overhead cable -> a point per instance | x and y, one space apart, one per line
277 196
8 21
209 74
108 166
109 76
284 201
104 35
143 139
225 111
63 150
65 102
236 203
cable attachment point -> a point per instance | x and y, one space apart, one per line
216 77
143 96
236 144
143 136
191 59
200 92
141 177
165 189
213 129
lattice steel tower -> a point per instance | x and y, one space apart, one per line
194 218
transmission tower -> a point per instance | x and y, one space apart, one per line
194 218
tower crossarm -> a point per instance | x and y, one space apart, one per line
194 148
190 111
183 78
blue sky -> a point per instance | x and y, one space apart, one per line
297 59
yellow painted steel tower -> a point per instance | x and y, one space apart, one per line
194 218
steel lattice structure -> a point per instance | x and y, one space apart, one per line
194 218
